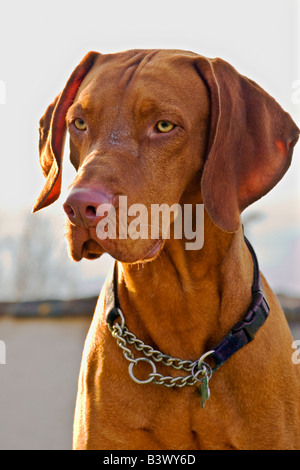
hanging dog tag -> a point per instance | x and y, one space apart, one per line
204 390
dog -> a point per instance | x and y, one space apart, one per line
188 348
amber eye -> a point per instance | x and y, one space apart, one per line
80 124
164 126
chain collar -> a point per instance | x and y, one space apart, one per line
199 371
196 371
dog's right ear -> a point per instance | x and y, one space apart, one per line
250 144
52 132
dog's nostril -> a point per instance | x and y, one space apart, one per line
90 211
69 210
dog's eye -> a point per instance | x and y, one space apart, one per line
80 124
164 126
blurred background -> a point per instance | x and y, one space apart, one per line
47 300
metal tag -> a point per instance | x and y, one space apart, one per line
204 390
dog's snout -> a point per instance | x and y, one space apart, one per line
81 206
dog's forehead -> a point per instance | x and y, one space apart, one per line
139 60
143 73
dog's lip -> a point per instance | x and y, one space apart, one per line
91 250
88 246
154 249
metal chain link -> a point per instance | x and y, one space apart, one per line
199 369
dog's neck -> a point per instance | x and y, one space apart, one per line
176 301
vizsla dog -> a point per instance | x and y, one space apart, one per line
188 348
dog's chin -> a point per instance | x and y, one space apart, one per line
125 251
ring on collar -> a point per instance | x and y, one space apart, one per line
150 376
202 368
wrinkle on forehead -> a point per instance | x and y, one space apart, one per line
119 71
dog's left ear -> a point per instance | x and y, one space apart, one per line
52 130
250 144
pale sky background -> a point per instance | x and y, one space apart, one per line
42 42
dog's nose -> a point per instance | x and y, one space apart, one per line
82 204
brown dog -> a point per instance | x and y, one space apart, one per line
173 127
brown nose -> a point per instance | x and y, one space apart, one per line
82 204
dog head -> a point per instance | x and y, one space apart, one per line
160 127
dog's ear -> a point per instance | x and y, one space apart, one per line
250 144
52 132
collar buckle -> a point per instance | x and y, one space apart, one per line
255 318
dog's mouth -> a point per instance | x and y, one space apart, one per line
91 250
84 244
